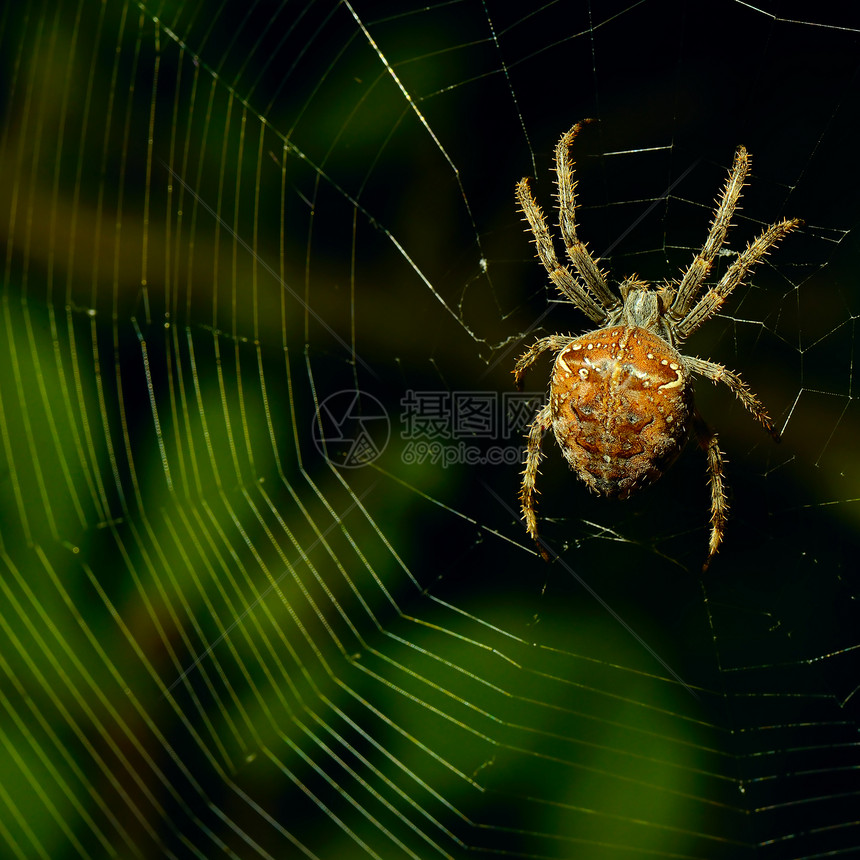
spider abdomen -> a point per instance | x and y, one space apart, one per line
621 402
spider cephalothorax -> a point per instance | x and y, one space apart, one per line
620 396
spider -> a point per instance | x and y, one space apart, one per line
620 396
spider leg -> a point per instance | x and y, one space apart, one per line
698 270
577 251
541 423
567 285
717 373
554 342
711 302
708 441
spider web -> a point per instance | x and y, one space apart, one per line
265 588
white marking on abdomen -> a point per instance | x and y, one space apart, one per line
676 384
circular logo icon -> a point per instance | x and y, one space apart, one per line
350 428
